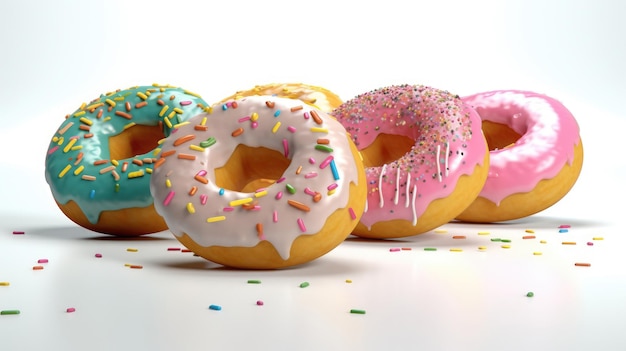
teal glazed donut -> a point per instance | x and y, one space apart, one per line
100 159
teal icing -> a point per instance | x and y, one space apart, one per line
105 192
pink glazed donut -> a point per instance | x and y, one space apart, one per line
536 154
425 157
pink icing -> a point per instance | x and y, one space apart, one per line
548 132
448 144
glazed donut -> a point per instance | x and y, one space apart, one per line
425 157
536 154
99 161
260 183
318 97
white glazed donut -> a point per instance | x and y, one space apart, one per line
261 182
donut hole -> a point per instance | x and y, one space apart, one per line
136 140
251 168
385 149
499 136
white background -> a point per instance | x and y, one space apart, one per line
57 54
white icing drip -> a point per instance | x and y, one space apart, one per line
408 183
380 186
447 157
397 191
413 206
438 162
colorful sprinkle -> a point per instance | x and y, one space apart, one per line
355 311
215 307
304 284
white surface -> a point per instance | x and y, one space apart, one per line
59 54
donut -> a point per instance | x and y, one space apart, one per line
318 97
99 160
536 154
424 153
260 183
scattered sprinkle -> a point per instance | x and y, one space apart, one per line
537 253
259 303
42 260
568 243
506 246
348 281
483 233
70 310
528 237
6 312
530 294
130 249
304 284
215 307
254 281
458 237
37 268
355 311
173 249
98 255
598 238
18 232
582 264
456 249
430 249
394 249
530 231
5 283
440 231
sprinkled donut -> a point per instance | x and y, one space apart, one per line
261 182
425 157
318 97
536 154
99 160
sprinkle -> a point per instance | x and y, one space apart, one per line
184 139
506 246
543 241
598 238
483 233
324 148
311 160
326 162
260 193
259 230
269 104
352 213
316 117
565 226
304 284
123 114
355 311
69 145
243 201
394 249
201 179
92 193
215 219
106 169
186 157
537 253
254 281
286 147
215 307
192 191
42 260
323 141
482 248
5 283
173 249
296 108
130 249
589 243
430 249
563 231
458 237
496 239
455 249
505 240
277 113
136 174
98 255
18 232
530 231
168 123
70 310
275 216
7 312
279 195
528 237
37 268
129 125
65 128
333 168
290 189
348 281
64 171
292 129
319 130
203 199
530 294
582 264
169 198
301 225
190 208
259 303
86 121
568 243
237 132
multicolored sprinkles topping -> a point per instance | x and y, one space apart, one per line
80 165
